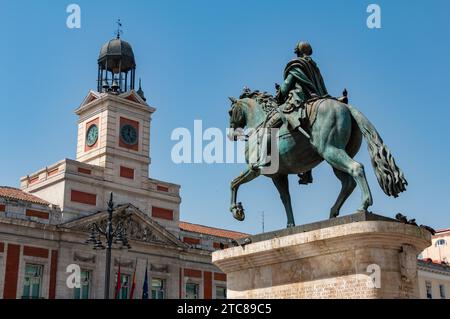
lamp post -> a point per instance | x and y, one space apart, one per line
113 235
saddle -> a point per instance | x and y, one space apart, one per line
299 113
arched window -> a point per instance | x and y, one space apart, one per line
441 242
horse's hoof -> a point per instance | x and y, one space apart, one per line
334 214
238 212
290 225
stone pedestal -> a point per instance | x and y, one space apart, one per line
356 256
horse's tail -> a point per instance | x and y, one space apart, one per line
389 175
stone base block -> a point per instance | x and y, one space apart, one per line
361 255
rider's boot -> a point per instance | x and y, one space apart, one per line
305 178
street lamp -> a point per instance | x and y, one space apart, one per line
113 234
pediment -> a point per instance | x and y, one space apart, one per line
133 96
92 96
139 227
130 98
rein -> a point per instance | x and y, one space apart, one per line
269 111
262 124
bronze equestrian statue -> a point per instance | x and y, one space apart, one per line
311 127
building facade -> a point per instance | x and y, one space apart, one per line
440 247
434 267
434 279
45 223
37 247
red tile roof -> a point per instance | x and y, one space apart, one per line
211 230
17 194
441 233
435 262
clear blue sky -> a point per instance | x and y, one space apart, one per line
191 55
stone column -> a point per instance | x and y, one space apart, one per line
356 256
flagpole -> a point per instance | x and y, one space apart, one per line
119 280
133 283
145 285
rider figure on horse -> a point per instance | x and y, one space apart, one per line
302 75
302 82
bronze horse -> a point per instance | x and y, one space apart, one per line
335 136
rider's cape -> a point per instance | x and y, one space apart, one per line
305 70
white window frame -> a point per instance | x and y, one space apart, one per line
130 276
41 267
91 283
430 285
218 285
164 280
440 242
44 262
442 291
160 275
97 274
196 281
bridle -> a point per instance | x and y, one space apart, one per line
234 119
269 111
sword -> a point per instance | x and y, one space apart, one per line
304 132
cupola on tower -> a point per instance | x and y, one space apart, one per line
116 67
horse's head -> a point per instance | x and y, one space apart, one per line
250 110
237 118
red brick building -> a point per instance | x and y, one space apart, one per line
36 247
44 224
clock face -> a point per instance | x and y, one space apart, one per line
128 134
92 135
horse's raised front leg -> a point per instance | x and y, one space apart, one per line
236 208
282 184
348 185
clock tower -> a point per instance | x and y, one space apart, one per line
114 121
113 149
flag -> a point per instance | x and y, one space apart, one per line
118 283
145 286
133 283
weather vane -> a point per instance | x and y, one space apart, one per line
119 30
